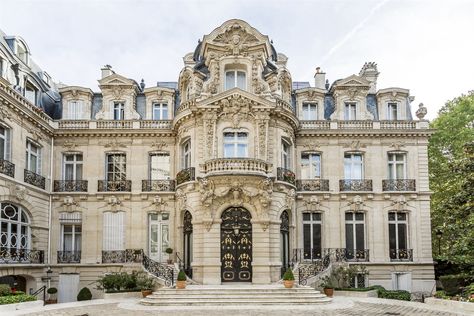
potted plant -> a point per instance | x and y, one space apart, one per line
169 251
181 283
145 283
288 279
328 284
52 299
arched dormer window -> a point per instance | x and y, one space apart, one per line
235 79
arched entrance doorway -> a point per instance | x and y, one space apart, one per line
236 245
187 243
285 241
17 282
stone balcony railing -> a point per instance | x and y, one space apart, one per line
355 185
312 185
362 125
236 165
158 185
114 124
399 185
7 168
70 185
35 179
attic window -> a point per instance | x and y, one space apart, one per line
30 93
22 53
235 79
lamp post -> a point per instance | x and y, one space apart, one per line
439 234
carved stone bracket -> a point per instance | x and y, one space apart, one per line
69 204
357 203
18 191
399 203
159 204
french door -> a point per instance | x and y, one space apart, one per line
158 230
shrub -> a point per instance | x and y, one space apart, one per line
341 276
12 299
52 290
117 281
288 276
5 290
395 295
144 282
181 276
452 283
169 250
84 294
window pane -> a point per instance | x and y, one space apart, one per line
306 216
2 148
349 216
68 172
401 216
391 216
165 112
317 216
400 171
230 80
307 241
360 243
316 240
242 150
392 236
241 80
359 216
228 150
349 236
79 172
402 236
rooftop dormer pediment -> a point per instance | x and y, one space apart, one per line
235 96
116 80
352 81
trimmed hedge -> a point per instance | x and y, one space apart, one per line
12 299
453 283
5 290
84 294
395 295
357 289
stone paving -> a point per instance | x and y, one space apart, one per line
340 306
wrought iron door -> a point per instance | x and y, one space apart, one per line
236 245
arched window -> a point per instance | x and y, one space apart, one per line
15 230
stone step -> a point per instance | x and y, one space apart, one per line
253 301
236 296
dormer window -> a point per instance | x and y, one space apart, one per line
350 111
119 111
22 52
30 93
75 110
160 111
310 111
392 111
235 79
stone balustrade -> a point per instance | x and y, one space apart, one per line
239 165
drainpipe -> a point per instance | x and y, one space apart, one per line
50 198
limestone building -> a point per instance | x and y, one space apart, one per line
236 167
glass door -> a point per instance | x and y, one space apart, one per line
159 236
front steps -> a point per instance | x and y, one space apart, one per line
217 295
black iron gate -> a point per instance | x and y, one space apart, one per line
236 245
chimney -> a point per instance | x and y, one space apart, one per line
319 79
107 71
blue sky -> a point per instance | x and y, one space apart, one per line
425 46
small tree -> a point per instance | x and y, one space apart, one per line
84 294
288 276
181 276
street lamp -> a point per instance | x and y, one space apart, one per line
439 234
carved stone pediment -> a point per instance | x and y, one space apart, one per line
353 80
116 80
236 39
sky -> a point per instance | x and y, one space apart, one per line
423 45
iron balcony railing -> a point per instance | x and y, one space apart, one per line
399 185
312 185
35 179
69 256
114 186
401 254
341 254
185 175
122 256
158 185
7 168
357 255
14 255
286 175
355 185
70 185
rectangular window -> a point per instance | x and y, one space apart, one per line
350 111
312 236
353 167
235 79
358 281
355 235
72 167
33 157
30 93
159 166
160 111
396 166
310 111
3 68
4 143
75 110
235 145
398 235
285 155
392 111
113 231
186 154
119 111
310 166
71 237
116 167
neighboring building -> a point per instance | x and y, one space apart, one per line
236 167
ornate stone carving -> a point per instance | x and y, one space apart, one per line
206 189
399 203
236 108
421 112
69 145
113 144
4 113
236 39
18 191
69 205
157 145
355 145
397 145
313 204
159 204
357 203
290 198
181 199
114 201
262 123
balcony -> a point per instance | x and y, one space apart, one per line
122 256
355 185
185 175
158 185
286 175
35 179
399 185
7 168
114 124
362 125
14 256
357 255
114 186
400 255
312 185
236 165
69 257
70 186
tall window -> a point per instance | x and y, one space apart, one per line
310 166
14 227
235 79
30 93
159 166
119 111
72 166
3 66
160 111
355 235
4 143
398 235
235 145
310 111
312 235
75 110
392 111
33 157
186 154
116 167
71 233
350 111
353 167
158 230
285 154
114 231
396 166
285 241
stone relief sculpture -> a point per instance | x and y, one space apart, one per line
236 39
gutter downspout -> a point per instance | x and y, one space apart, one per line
50 199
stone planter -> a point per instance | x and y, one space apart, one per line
329 292
145 293
288 283
180 285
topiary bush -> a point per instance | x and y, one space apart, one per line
288 276
453 283
52 290
181 276
12 299
84 294
5 290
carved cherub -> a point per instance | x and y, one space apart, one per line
206 189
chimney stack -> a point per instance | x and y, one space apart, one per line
107 71
319 79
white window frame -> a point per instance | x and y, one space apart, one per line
186 153
118 111
235 142
157 167
115 175
29 153
160 108
393 163
354 222
113 237
311 160
353 164
286 154
75 163
311 222
6 138
9 234
75 110
390 111
350 111
310 114
236 73
73 234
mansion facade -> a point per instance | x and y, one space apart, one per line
237 168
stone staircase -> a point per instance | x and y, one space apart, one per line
236 294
